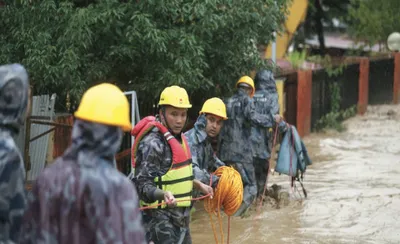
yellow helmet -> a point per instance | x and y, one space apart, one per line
105 104
214 106
249 81
175 96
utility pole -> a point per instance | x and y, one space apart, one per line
274 48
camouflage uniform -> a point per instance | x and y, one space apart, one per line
266 102
81 197
203 156
234 146
14 88
153 159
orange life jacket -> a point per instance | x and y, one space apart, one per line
179 178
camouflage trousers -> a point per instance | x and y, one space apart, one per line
162 231
261 167
247 173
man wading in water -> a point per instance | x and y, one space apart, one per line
163 170
235 145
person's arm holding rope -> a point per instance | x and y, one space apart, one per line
197 139
201 174
213 165
203 188
151 150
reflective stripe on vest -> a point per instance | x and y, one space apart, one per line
179 178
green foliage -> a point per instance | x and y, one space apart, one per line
326 61
373 21
333 119
204 45
297 59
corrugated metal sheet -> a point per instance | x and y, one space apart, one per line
44 106
124 163
41 106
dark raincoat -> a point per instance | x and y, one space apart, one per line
235 145
14 88
203 156
266 103
81 197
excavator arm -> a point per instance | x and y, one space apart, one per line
297 14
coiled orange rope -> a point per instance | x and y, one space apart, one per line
228 195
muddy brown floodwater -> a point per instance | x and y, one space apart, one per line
353 190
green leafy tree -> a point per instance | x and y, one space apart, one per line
202 45
372 21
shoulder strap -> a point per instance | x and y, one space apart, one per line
139 131
141 124
144 126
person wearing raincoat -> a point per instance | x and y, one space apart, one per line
207 127
163 171
266 102
82 197
14 100
235 146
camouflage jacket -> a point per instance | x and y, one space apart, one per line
235 144
81 197
154 159
203 156
266 102
14 89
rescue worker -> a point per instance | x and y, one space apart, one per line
163 170
82 197
14 100
266 102
235 145
207 127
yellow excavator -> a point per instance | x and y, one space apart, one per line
296 15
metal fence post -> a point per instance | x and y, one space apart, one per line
363 84
304 93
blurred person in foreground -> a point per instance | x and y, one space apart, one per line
82 197
14 104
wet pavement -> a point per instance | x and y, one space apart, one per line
353 190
